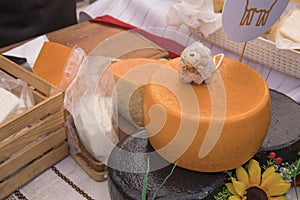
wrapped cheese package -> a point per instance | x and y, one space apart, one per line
88 84
9 105
91 101
285 32
15 97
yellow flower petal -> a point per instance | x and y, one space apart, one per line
268 171
254 171
234 198
242 175
231 188
279 189
279 198
239 186
284 181
270 181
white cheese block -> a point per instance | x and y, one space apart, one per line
289 29
93 118
8 105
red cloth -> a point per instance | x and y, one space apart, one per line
297 181
171 46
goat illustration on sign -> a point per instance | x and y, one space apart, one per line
245 20
252 7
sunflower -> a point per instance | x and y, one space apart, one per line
252 185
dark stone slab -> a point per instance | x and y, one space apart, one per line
283 136
183 184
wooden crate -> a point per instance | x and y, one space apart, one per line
34 140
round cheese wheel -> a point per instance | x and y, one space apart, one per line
209 127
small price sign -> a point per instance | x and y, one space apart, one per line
245 20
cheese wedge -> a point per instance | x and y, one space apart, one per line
210 127
131 76
8 106
289 28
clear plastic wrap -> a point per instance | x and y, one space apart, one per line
91 97
71 68
21 100
92 103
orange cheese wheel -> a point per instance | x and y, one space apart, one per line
209 127
51 62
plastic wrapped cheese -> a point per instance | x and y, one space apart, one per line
94 125
289 28
90 100
8 106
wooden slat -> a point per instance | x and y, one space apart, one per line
32 115
27 76
32 152
33 170
94 174
16 142
38 97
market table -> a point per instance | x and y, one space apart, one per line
88 35
67 175
70 181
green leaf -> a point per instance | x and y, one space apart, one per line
164 181
295 173
144 189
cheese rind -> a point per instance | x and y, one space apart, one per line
8 106
185 134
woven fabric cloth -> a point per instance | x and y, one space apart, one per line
50 186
